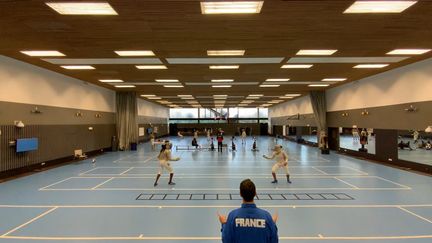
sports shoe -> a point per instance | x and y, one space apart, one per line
275 181
171 183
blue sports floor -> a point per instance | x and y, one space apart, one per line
333 198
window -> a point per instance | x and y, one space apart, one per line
184 113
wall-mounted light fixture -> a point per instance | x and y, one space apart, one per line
78 114
98 115
411 108
19 124
365 113
36 111
345 114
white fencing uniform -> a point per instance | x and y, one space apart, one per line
281 161
164 161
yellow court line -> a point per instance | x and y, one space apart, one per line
29 222
321 171
131 168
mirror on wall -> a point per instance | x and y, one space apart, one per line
291 132
357 139
309 134
415 146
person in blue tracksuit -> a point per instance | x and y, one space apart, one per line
249 224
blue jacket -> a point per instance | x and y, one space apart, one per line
249 224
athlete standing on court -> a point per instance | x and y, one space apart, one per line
164 161
219 139
281 162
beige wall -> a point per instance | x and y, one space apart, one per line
149 109
412 83
300 105
28 84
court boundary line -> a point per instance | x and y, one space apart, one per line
349 184
416 215
29 221
225 189
100 184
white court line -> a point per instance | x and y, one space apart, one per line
230 166
100 184
85 172
225 189
29 222
300 176
349 184
418 216
401 185
131 168
224 206
53 184
323 172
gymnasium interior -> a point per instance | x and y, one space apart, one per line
93 91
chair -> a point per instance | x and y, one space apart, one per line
78 154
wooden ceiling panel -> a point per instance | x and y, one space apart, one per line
177 29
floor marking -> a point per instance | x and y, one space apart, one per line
204 176
179 174
320 236
362 172
53 184
349 184
29 222
141 236
89 170
131 168
219 238
393 182
325 173
223 189
418 216
225 206
98 185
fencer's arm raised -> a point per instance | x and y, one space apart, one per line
270 157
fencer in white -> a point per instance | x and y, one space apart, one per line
281 158
164 162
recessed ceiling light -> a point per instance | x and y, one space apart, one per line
286 97
166 80
316 52
277 79
78 67
224 66
371 66
184 95
269 85
256 95
125 86
318 85
219 98
154 98
334 79
111 80
293 95
151 67
134 53
148 95
221 86
252 98
408 51
43 53
237 7
173 86
297 66
222 80
364 6
226 53
220 95
82 8
187 98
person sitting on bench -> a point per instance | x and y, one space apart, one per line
403 145
195 143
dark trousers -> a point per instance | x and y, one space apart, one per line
220 146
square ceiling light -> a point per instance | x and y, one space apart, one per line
151 67
316 52
82 8
226 7
136 53
408 51
111 80
224 67
389 6
43 53
277 79
78 67
371 66
334 79
297 66
225 52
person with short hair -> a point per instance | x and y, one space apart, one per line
249 224
220 139
281 162
164 161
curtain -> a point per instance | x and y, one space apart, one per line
126 119
319 106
